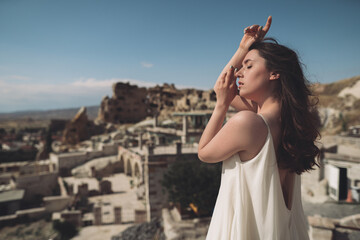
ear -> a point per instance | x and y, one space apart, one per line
274 76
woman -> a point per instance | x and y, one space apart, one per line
265 146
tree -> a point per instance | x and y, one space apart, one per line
66 229
344 127
189 181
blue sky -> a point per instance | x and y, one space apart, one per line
60 54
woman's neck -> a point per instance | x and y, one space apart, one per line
270 104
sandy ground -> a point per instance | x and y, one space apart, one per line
104 232
124 196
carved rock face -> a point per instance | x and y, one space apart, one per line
76 129
80 128
131 104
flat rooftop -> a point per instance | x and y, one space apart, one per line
12 195
194 113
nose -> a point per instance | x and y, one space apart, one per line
239 73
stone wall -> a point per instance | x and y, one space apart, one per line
109 148
95 154
68 160
40 184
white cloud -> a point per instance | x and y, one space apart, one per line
147 64
93 83
107 83
17 77
29 95
14 77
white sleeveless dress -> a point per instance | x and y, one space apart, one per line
250 203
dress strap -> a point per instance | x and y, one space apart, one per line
264 121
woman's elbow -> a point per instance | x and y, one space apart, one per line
203 157
200 157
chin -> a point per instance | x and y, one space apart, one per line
243 94
246 95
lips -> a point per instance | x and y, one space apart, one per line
240 83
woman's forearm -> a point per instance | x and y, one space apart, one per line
241 103
236 60
214 125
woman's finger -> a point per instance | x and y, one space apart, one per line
229 75
268 24
254 27
251 29
223 77
220 80
260 33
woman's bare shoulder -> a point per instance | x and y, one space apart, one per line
250 124
253 131
249 119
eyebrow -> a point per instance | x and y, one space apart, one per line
247 60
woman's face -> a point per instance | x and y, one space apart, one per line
254 78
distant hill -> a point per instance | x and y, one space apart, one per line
333 89
69 113
339 104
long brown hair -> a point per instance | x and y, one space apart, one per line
299 119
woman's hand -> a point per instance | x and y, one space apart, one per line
226 88
254 33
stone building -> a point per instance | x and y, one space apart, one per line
148 165
341 166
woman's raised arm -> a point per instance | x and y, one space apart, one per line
217 143
251 34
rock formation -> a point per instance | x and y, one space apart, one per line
80 128
131 104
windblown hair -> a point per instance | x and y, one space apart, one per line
299 119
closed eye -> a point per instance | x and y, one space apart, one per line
248 67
